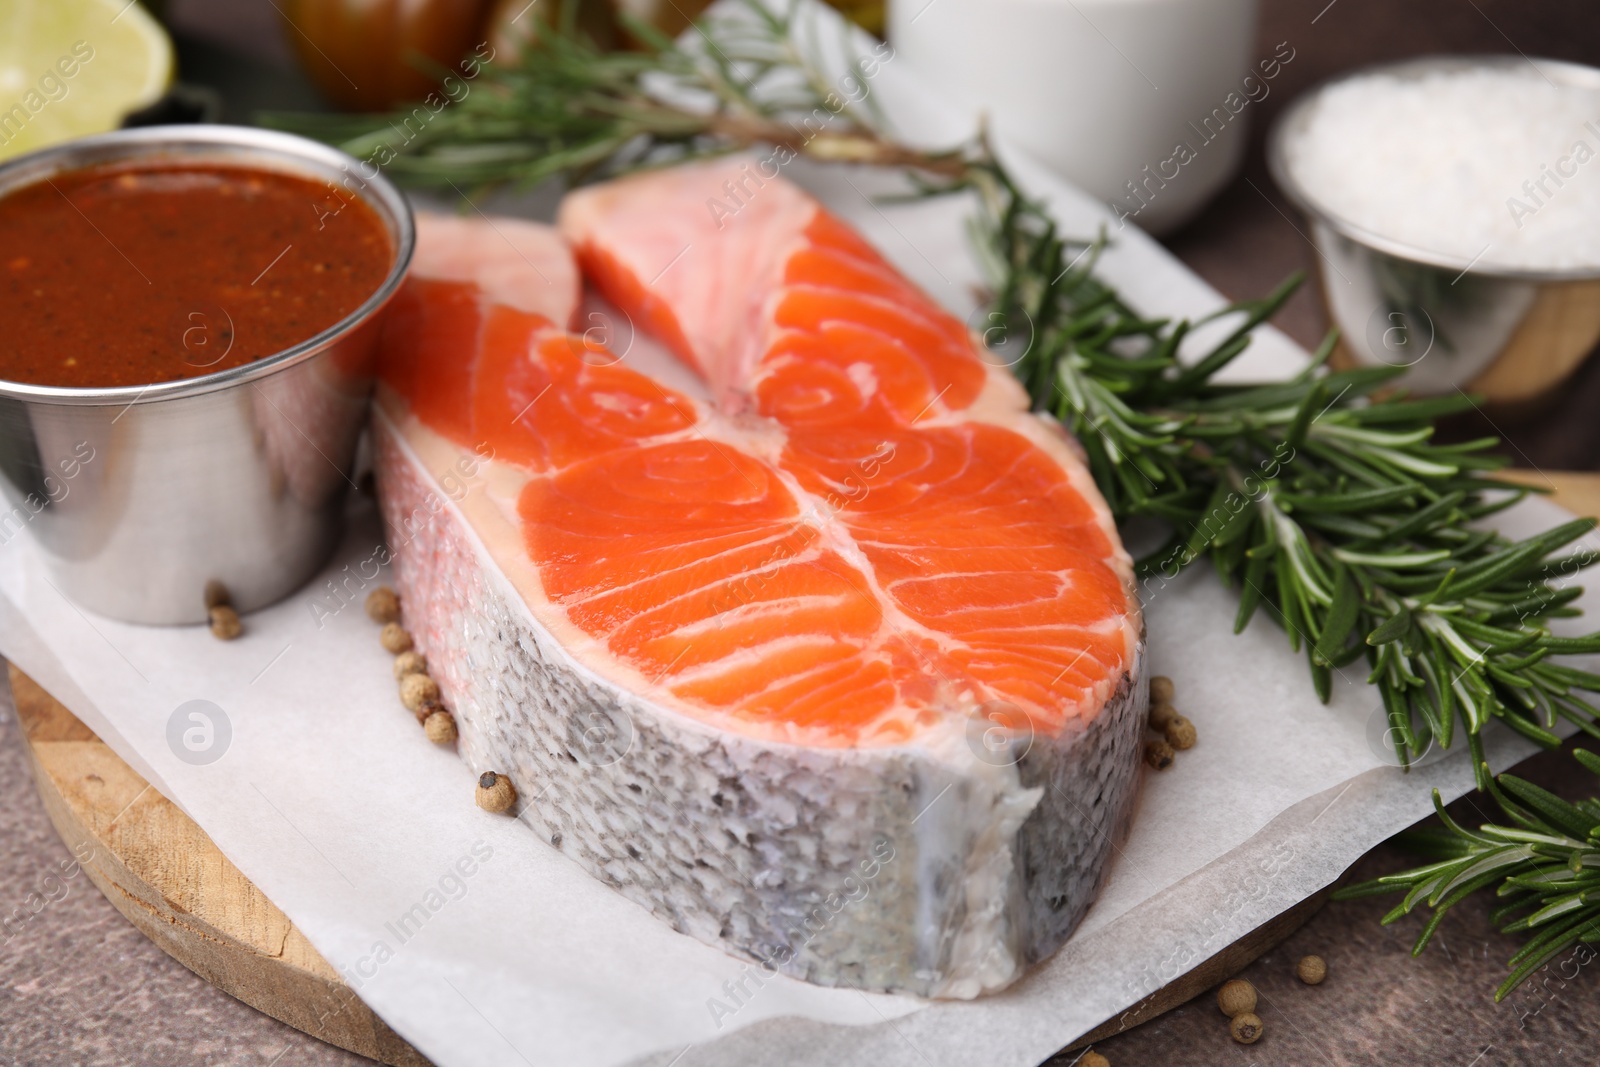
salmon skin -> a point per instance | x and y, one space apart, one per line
834 663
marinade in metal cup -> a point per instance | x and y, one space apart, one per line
187 359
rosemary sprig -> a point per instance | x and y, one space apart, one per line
570 109
1547 866
1323 499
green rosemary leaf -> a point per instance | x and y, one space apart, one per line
1392 629
1566 676
1341 619
1340 525
1557 812
1573 918
1354 500
1531 837
1513 495
1539 604
1310 408
1401 733
1497 567
1376 887
1322 680
1583 719
1410 411
1440 511
1497 638
1461 891
1574 645
1519 664
1250 595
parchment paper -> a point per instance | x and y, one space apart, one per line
480 943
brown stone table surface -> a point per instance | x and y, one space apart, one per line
80 986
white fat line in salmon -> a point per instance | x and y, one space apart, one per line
740 992
853 490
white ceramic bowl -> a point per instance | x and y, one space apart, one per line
1108 93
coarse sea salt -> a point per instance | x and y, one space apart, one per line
1494 165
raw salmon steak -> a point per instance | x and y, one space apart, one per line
831 660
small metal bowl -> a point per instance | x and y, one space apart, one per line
140 496
1453 323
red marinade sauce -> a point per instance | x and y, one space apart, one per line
137 274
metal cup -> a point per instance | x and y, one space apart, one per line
1453 323
140 496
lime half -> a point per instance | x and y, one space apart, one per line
75 67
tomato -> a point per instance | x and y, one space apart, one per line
363 54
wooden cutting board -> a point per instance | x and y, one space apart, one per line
164 874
